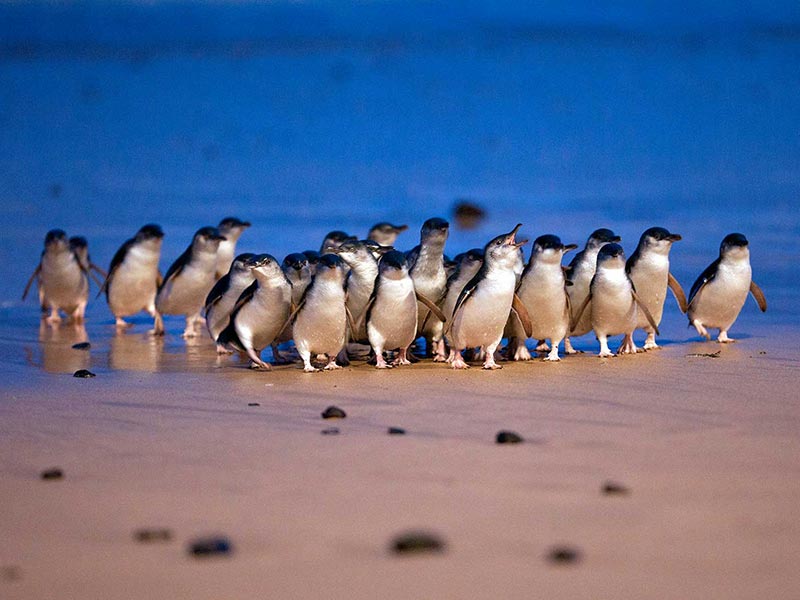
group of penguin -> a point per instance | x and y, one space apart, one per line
365 291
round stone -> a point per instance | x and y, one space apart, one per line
414 542
612 488
54 473
333 412
508 437
564 555
330 431
83 373
211 546
253 404
157 534
397 431
81 346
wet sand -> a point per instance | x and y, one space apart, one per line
164 437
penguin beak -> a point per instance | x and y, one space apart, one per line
511 240
616 239
569 247
674 237
400 228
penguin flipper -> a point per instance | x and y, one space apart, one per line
216 293
230 339
646 312
705 277
97 280
519 309
465 295
677 291
759 296
98 270
432 306
580 312
176 267
34 275
292 317
350 321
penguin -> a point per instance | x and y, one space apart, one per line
313 259
225 293
719 293
320 321
467 266
231 229
189 279
482 308
427 269
359 284
385 233
334 239
377 249
297 269
648 268
516 341
133 277
579 275
391 318
61 279
543 291
261 311
612 302
80 246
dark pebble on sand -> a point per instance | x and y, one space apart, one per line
397 431
333 412
158 534
215 546
54 473
612 488
253 404
83 373
563 555
10 573
416 542
81 346
508 437
330 431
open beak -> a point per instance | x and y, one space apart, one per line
511 240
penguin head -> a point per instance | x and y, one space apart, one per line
377 249
734 245
266 268
313 259
207 239
549 247
434 230
330 267
504 250
56 239
393 265
611 256
149 233
78 243
354 253
243 263
229 225
296 261
600 237
658 239
334 239
387 229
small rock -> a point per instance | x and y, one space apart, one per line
508 437
81 346
253 404
330 431
10 573
54 473
416 542
333 412
612 488
563 555
83 373
212 546
397 431
158 534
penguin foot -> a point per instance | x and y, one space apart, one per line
259 366
522 353
701 330
223 350
651 346
439 358
542 346
122 323
331 366
156 332
401 361
310 369
552 358
491 366
458 362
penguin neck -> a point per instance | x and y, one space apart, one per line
431 257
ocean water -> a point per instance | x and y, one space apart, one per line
304 118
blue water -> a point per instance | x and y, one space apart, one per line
304 118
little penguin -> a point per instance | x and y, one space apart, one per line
61 280
334 239
80 246
482 308
427 269
313 259
719 293
133 277
359 283
579 275
612 302
189 279
467 266
648 268
385 233
297 269
231 229
261 312
225 293
543 291
391 318
377 249
321 321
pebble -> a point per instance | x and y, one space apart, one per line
417 542
10 573
563 555
508 437
83 373
397 431
54 473
330 431
253 404
612 488
158 534
81 346
212 546
333 412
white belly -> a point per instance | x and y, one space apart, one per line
542 292
320 325
719 302
393 317
261 319
186 293
481 320
63 284
613 310
649 277
133 287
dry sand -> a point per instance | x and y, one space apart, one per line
164 437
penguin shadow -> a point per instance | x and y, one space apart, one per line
129 351
55 344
